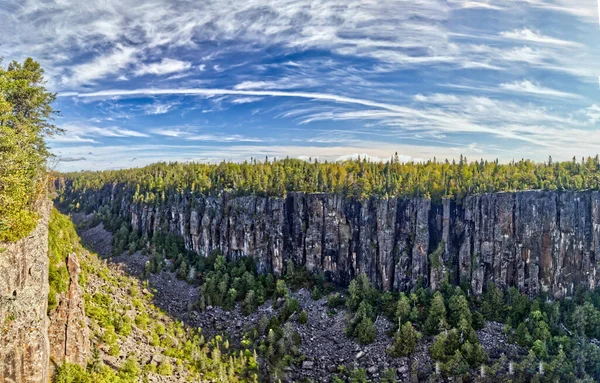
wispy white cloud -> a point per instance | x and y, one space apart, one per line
159 107
245 100
223 138
527 34
71 159
209 92
592 113
194 134
526 86
70 139
165 66
353 60
442 114
101 66
87 133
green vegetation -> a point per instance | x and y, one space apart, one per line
405 341
274 338
359 178
225 283
118 310
61 242
362 297
554 335
25 119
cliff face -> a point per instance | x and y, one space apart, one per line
29 339
24 347
537 241
68 331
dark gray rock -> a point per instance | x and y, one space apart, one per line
536 241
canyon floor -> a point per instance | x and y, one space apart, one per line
325 347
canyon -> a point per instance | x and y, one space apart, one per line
536 241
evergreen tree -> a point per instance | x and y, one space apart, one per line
436 318
405 341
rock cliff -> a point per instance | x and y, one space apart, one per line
30 339
24 346
537 241
68 331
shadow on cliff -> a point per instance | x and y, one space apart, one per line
176 298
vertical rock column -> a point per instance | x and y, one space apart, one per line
68 332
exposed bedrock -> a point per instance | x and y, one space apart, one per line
68 331
24 345
31 343
537 241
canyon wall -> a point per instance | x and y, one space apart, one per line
24 345
68 331
536 241
29 339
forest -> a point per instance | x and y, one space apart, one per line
358 178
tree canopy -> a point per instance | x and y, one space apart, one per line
359 178
25 119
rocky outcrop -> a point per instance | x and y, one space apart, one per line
68 331
536 241
30 341
24 347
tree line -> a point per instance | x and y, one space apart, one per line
360 178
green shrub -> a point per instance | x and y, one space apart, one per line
303 318
71 373
164 368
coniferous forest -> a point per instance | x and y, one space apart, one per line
360 178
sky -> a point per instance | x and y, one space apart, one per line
212 80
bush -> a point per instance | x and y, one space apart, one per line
71 373
405 341
316 294
303 318
365 331
165 368
335 300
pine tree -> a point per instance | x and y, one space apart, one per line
183 271
436 318
403 309
459 307
405 341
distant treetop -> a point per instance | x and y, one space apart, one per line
358 178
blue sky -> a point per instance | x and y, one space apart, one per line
332 79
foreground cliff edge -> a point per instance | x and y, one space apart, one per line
97 317
25 348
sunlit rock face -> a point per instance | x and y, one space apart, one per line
536 241
24 346
68 332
